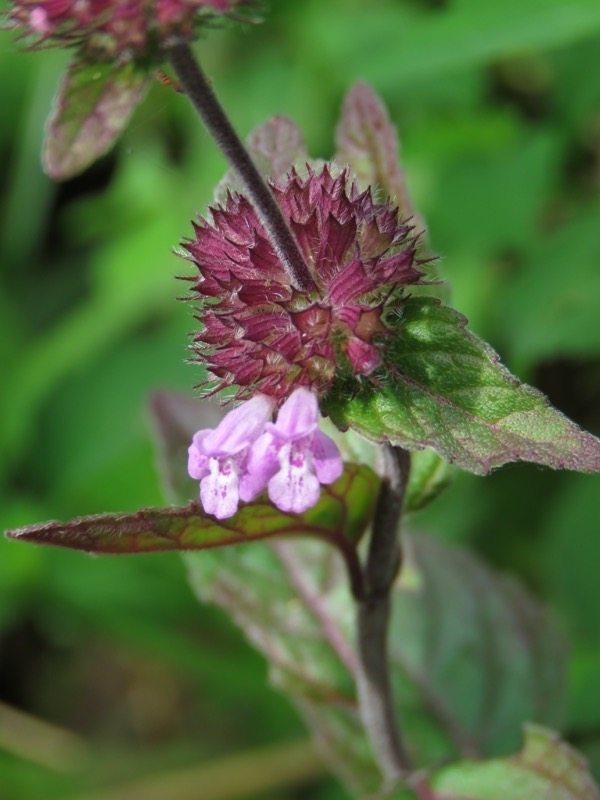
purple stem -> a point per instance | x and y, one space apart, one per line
204 100
383 562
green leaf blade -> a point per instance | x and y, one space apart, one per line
90 110
546 769
448 390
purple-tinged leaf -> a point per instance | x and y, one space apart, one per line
367 141
90 110
446 389
275 147
334 519
546 769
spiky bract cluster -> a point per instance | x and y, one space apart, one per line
262 334
113 30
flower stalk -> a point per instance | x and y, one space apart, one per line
204 100
373 615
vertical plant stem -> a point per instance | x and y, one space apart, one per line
204 100
373 615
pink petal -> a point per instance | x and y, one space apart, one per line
240 427
262 459
327 459
219 493
294 488
298 416
197 459
39 21
251 486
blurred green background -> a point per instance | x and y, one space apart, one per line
498 109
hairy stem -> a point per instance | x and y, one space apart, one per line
204 100
381 568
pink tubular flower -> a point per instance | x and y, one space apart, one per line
246 454
113 30
293 458
218 458
262 334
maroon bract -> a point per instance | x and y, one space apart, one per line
262 334
113 30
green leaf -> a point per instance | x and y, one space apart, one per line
429 473
546 769
91 109
292 601
429 476
367 142
473 655
447 390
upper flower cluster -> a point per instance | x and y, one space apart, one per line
108 30
261 333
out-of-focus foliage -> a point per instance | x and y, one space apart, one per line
498 109
545 768
460 693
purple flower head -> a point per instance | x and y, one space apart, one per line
218 458
293 458
247 454
262 334
113 30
